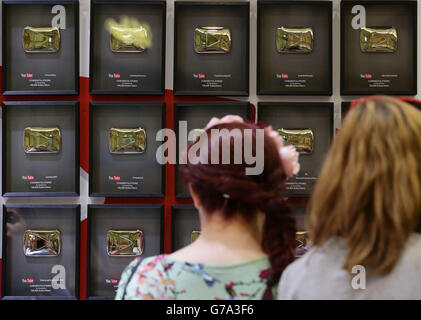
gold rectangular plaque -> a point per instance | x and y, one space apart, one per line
126 39
194 235
41 243
125 243
212 40
127 141
41 140
301 139
41 39
294 40
302 243
129 34
378 39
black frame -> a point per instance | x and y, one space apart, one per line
75 104
77 208
199 105
416 103
211 93
173 211
93 104
345 105
414 4
161 3
328 3
77 41
295 208
116 206
299 105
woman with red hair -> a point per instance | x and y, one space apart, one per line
247 231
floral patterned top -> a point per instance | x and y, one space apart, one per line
163 278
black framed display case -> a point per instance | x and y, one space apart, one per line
317 120
284 68
36 172
197 115
299 212
121 173
29 274
345 105
302 240
128 69
38 67
415 102
185 223
104 270
184 220
217 68
388 67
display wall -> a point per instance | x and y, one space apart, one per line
90 103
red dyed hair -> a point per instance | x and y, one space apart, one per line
227 188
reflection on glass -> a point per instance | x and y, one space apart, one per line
212 40
41 140
301 139
41 39
129 35
294 40
379 39
41 243
127 141
125 243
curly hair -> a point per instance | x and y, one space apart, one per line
226 187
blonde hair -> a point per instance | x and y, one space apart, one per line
369 190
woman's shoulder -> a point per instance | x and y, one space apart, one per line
411 256
310 270
321 271
145 279
147 265
153 262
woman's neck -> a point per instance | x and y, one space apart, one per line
224 241
235 231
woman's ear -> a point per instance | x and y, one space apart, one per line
196 200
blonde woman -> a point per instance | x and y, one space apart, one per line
365 215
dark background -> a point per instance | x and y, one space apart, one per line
17 266
315 116
187 62
403 62
149 62
18 163
273 15
104 116
102 218
63 63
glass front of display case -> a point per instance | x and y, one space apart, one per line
40 47
41 252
